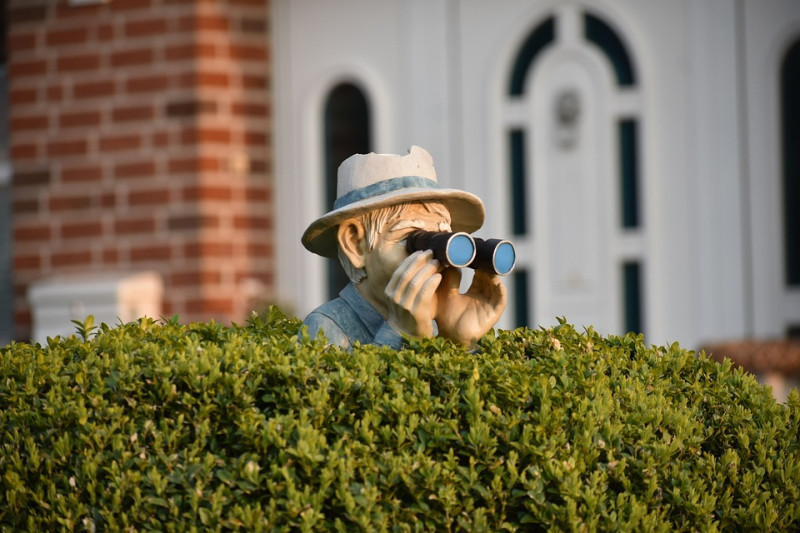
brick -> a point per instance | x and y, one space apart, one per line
135 169
249 109
23 319
160 139
247 53
190 108
129 226
193 164
192 222
182 52
253 25
250 81
21 151
206 135
79 119
69 203
248 3
192 278
151 253
125 58
29 122
22 69
31 178
65 37
210 305
260 250
258 194
133 113
206 22
71 258
21 40
120 143
32 232
258 166
146 27
108 200
130 5
20 97
168 307
21 290
207 192
78 63
205 79
26 14
82 174
93 89
208 249
66 148
252 222
147 84
25 206
80 230
27 262
255 138
156 196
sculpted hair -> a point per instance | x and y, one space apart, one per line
373 223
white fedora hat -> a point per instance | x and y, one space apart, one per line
369 181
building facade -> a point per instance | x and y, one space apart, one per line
140 138
642 156
639 154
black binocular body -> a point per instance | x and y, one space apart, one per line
461 249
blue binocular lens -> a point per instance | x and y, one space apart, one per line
461 249
452 249
495 255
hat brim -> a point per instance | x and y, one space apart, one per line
466 214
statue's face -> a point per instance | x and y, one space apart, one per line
390 249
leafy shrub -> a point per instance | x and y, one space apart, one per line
167 427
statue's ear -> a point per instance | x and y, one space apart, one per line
352 241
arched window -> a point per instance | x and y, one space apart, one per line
347 132
601 35
790 118
537 40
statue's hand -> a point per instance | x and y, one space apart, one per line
467 317
411 294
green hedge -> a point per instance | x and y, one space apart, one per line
160 426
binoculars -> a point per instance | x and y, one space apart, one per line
460 249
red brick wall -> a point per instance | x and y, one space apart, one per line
140 139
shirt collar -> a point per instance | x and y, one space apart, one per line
370 316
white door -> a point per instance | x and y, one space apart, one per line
573 110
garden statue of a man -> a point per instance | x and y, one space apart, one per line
381 200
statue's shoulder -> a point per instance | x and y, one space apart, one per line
328 318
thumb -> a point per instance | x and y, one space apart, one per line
451 279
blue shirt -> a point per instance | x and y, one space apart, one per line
349 319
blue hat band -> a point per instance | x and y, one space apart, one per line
383 187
